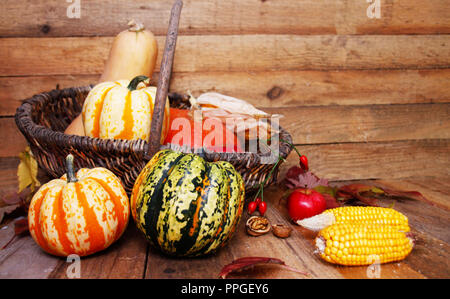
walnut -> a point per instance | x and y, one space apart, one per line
281 230
257 225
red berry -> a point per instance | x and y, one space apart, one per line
304 162
258 201
262 208
252 207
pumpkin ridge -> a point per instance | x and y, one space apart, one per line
213 191
118 208
94 229
150 101
171 188
237 194
212 246
156 163
127 118
97 113
137 188
60 223
231 212
36 225
155 201
190 232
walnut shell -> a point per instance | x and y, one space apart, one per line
281 230
257 225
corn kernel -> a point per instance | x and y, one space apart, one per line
362 241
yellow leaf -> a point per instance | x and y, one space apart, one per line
27 171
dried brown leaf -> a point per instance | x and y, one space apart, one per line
20 228
249 262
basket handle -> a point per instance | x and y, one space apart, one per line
164 80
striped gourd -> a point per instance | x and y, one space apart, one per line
80 214
186 206
122 110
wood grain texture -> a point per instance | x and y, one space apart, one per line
433 188
8 173
230 53
124 259
296 252
130 257
372 160
13 142
336 124
311 88
49 18
270 88
23 258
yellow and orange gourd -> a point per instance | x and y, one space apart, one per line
80 214
122 110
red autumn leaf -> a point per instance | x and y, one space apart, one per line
21 226
15 198
331 201
303 179
371 195
394 194
294 172
364 193
249 262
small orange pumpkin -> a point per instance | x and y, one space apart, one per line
80 214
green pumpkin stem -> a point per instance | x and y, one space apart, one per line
135 82
71 177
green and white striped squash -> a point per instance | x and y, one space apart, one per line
186 206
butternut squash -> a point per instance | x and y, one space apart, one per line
133 53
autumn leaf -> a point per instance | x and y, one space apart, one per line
20 228
14 204
250 262
303 179
27 171
362 194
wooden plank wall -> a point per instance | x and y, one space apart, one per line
363 98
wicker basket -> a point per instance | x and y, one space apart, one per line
43 118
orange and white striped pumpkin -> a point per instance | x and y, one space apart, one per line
122 110
80 214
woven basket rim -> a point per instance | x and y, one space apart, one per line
43 134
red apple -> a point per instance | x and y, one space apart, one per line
305 203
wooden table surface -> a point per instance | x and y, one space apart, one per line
354 90
132 257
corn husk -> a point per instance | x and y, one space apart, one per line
238 115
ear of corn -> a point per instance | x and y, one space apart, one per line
362 244
357 215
